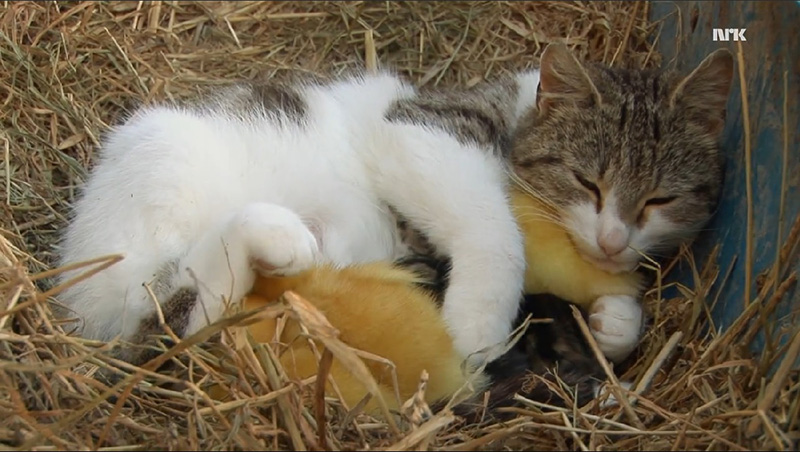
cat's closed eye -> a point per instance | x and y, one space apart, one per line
660 201
654 202
590 186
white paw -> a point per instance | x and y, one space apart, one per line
276 239
478 334
611 400
616 324
263 237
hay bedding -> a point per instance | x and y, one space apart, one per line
68 70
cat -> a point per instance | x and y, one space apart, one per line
277 178
561 264
274 179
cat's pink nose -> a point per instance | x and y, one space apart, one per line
613 241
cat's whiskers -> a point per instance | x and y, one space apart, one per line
652 254
527 188
672 241
542 216
648 254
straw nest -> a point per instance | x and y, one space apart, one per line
68 70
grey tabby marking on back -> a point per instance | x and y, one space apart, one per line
282 101
280 97
483 115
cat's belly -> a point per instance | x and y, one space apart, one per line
357 234
334 197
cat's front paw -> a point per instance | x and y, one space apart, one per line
478 335
277 240
616 324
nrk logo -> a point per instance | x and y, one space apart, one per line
725 34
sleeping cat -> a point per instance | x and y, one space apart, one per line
277 178
274 179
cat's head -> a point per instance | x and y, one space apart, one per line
629 158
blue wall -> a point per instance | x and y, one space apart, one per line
772 47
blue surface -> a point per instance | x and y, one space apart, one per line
772 47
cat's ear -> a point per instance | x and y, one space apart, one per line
704 92
563 79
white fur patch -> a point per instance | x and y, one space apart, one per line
458 209
528 82
616 323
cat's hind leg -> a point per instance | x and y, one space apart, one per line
220 268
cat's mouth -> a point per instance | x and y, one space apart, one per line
575 225
607 264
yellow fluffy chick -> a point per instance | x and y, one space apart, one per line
379 309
